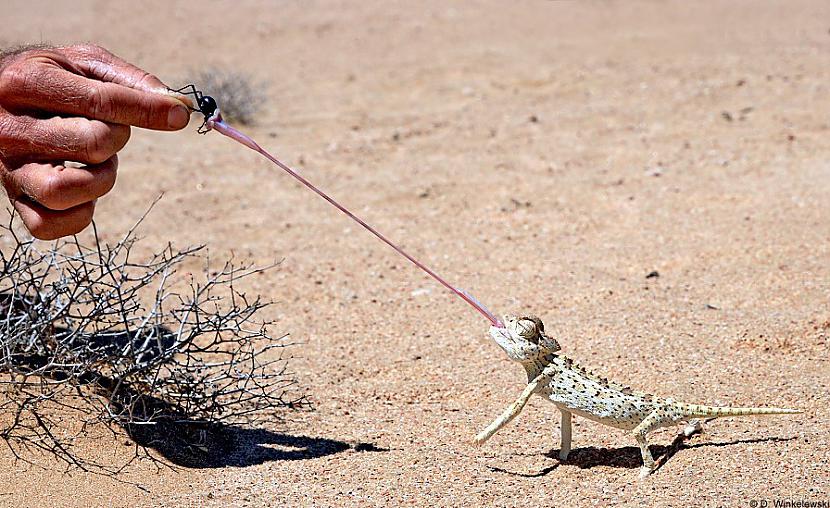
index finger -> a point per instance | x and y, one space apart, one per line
97 62
45 85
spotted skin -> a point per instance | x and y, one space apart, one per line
577 391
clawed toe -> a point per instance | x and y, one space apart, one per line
693 427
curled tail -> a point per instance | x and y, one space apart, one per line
699 411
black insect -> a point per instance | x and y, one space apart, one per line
206 105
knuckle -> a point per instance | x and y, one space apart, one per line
148 117
108 180
89 50
53 193
146 80
99 104
121 135
98 143
8 129
17 135
14 80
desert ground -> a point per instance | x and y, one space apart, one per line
545 156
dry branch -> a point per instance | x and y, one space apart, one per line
91 337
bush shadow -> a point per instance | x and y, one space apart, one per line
152 423
212 445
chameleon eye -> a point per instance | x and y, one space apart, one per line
528 329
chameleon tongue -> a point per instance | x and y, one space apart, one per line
223 128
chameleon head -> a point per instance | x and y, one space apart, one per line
523 338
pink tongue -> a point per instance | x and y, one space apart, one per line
234 134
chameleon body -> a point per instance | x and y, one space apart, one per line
577 391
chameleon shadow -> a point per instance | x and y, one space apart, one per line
627 457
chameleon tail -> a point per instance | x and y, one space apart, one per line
699 411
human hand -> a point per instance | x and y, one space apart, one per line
75 104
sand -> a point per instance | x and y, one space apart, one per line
546 156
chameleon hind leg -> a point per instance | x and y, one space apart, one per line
653 420
565 446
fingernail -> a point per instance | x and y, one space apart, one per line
178 117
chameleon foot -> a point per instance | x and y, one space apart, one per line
480 439
693 427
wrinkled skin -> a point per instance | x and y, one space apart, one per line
65 112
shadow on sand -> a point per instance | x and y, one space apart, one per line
155 424
215 445
627 457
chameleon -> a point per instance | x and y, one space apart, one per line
578 391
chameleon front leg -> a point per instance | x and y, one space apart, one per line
512 410
565 446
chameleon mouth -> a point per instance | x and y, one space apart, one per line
500 332
502 337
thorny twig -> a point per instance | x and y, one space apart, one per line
91 339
